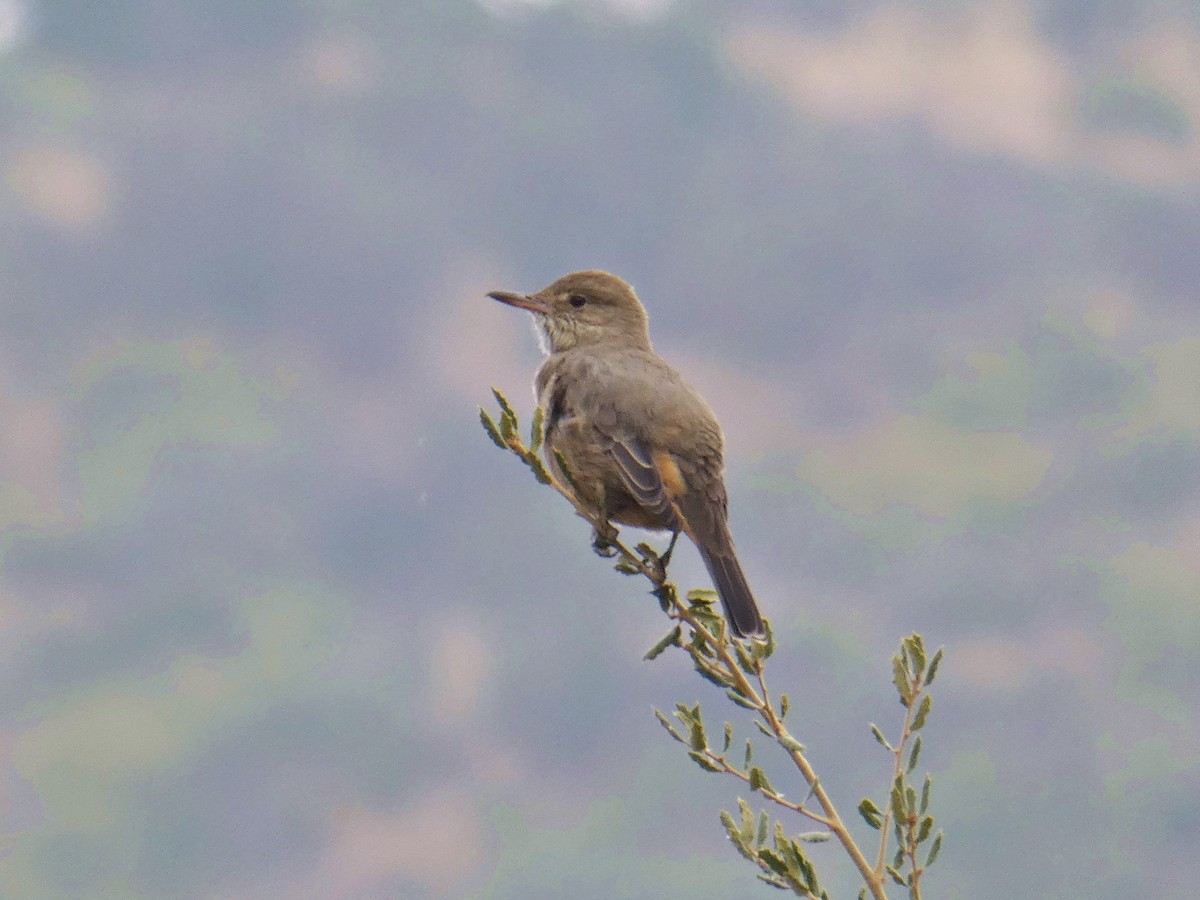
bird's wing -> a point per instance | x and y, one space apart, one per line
641 476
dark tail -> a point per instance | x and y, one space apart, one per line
730 582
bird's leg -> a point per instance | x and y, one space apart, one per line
660 561
604 533
665 558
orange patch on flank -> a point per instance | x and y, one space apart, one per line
668 471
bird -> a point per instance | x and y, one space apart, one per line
641 446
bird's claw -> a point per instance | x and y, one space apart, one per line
603 538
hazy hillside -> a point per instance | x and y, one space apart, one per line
277 621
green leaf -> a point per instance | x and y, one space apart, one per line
568 477
702 597
697 738
668 640
538 468
896 802
745 660
915 754
764 729
910 801
759 782
625 567
790 744
741 701
772 859
666 723
749 754
535 430
764 649
900 680
922 712
505 407
490 427
879 736
730 827
933 667
747 831
784 704
870 813
925 791
916 650
896 876
708 673
728 737
704 762
934 849
814 837
508 430
764 822
924 829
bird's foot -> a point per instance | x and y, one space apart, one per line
603 538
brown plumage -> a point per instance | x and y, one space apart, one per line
642 446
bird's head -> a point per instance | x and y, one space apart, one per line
582 309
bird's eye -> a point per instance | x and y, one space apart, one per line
577 300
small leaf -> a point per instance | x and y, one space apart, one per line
925 791
764 822
538 468
697 738
933 667
879 736
900 680
668 640
870 813
625 567
535 430
730 827
704 762
790 744
747 830
740 700
490 427
759 782
764 729
915 754
925 828
916 650
666 723
749 754
922 712
896 876
934 849
784 703
568 477
910 801
814 837
702 597
896 802
728 737
745 660
710 674
772 859
505 407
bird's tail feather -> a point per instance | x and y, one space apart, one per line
736 597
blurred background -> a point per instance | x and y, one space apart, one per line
277 621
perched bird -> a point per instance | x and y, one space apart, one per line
641 446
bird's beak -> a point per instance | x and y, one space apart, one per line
531 302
